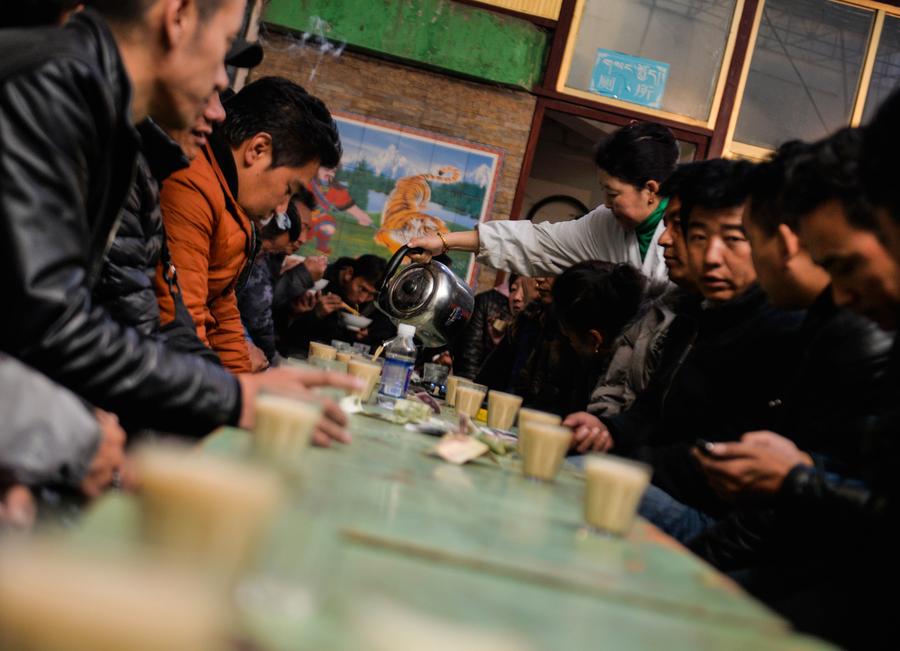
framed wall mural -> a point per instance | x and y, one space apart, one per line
395 183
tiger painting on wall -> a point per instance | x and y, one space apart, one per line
404 216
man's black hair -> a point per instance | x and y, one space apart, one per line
128 12
274 228
369 266
878 168
301 127
638 153
766 181
34 13
715 184
304 196
671 187
825 171
595 295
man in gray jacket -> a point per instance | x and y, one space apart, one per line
49 437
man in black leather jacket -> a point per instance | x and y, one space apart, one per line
493 313
813 507
67 156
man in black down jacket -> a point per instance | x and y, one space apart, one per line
125 287
67 157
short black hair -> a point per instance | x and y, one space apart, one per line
637 153
301 127
881 142
715 184
766 181
369 266
126 12
671 187
304 196
597 295
825 171
275 227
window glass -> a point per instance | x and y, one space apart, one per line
804 72
685 39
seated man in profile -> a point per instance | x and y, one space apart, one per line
68 153
351 283
672 317
274 137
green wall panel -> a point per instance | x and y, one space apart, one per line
437 33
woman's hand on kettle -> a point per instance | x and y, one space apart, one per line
432 245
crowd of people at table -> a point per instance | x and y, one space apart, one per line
728 323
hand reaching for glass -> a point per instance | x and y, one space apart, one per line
332 426
590 434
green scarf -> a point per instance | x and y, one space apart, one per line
647 228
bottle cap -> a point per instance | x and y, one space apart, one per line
406 330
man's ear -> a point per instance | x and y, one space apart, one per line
346 274
179 20
788 242
258 148
596 340
652 186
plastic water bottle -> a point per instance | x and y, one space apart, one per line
399 359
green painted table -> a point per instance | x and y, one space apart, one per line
476 546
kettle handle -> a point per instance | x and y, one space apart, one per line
395 261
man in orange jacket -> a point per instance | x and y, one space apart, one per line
274 138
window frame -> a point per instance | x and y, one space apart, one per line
718 91
735 149
560 105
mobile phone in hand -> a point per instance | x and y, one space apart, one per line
705 447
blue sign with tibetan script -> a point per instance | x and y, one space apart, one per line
628 78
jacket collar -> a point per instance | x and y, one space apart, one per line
723 315
821 310
225 160
163 155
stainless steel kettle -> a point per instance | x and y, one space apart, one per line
428 296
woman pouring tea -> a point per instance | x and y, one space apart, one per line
633 162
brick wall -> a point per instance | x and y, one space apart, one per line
493 116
